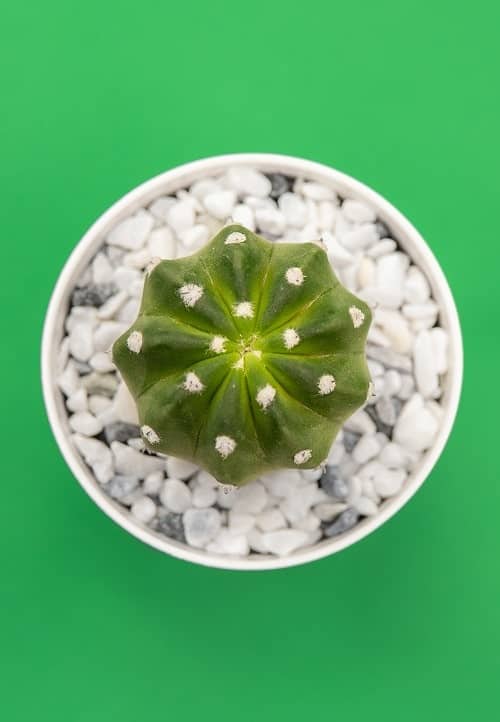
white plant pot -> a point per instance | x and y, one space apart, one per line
181 177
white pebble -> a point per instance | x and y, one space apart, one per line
203 187
271 520
131 233
204 496
195 237
101 361
381 296
416 286
128 313
375 368
130 462
125 277
391 272
226 542
416 427
144 509
317 191
137 259
106 334
201 526
85 423
366 448
312 474
220 204
203 478
424 361
366 272
439 341
327 213
386 245
293 209
389 482
160 207
419 311
360 237
339 256
395 327
251 498
360 423
77 401
123 408
327 511
336 453
180 468
97 455
309 523
296 505
81 344
393 456
248 181
153 482
270 220
244 215
98 404
349 277
102 270
284 541
355 484
365 506
407 387
176 496
110 307
376 336
161 243
281 482
240 523
181 216
358 212
226 496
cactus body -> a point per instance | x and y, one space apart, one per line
246 356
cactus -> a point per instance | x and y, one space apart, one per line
246 356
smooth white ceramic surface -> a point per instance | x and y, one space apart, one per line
169 182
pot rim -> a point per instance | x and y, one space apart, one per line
175 179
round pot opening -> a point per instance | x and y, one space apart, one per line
182 177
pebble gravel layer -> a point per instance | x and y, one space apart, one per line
375 453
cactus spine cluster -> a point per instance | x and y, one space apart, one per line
246 356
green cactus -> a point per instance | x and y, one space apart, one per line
246 356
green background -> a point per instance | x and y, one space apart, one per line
97 97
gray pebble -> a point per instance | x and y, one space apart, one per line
386 410
384 428
382 230
100 384
280 184
350 439
346 520
94 294
333 484
121 486
120 431
170 525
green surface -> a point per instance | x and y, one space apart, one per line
97 97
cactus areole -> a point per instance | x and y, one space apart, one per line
246 356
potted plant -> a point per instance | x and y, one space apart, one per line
262 398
